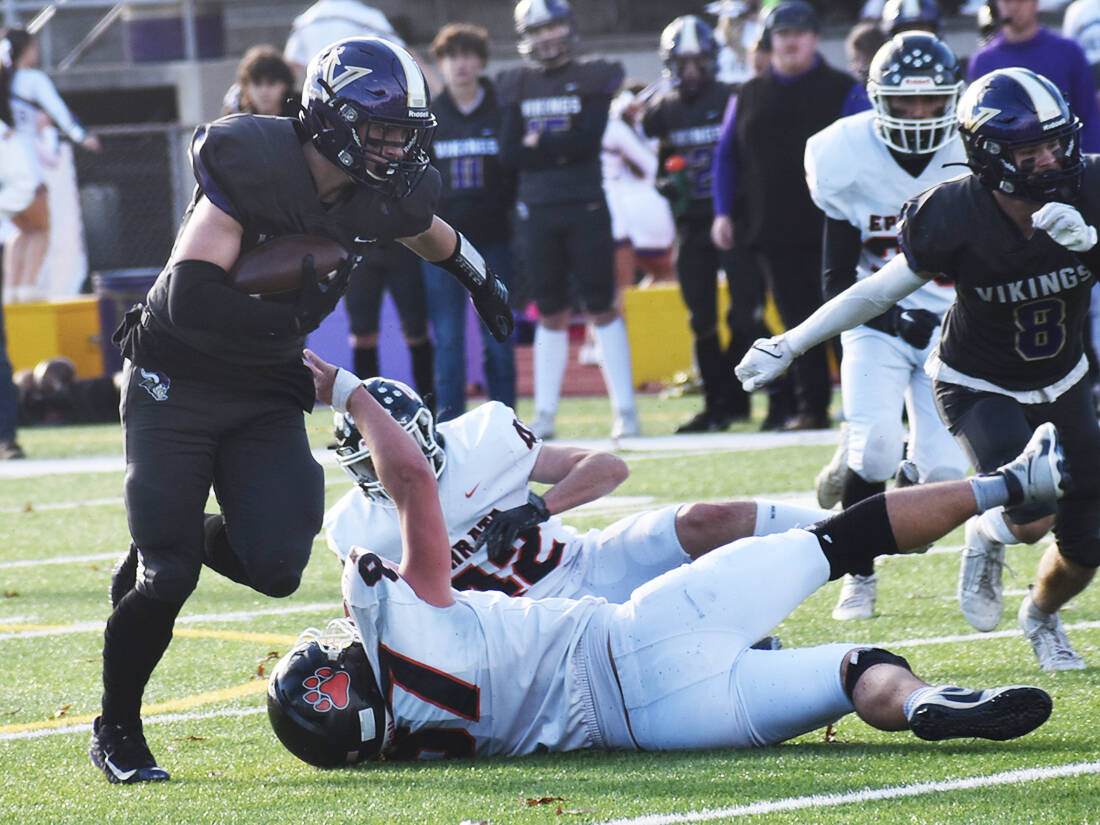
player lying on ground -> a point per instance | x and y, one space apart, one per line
423 670
503 536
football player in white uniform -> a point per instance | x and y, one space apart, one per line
860 170
505 537
423 671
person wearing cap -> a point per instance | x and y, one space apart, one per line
759 163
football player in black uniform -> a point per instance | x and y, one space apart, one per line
554 114
1018 238
687 119
214 384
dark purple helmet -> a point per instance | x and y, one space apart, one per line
532 15
324 703
688 38
790 14
910 15
1010 109
367 108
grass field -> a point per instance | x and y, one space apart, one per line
204 705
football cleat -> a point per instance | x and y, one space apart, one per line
829 482
120 751
981 589
626 425
1048 638
705 421
124 575
543 425
949 712
857 598
1038 473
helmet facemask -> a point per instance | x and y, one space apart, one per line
1020 180
914 135
548 44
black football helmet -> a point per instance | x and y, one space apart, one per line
910 15
532 15
410 411
909 64
1013 108
324 702
689 38
362 96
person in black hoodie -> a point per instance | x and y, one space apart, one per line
476 198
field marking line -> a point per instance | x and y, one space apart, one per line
1014 777
182 703
159 719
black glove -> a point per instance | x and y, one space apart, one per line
506 527
491 302
317 299
915 326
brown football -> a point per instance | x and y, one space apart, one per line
274 268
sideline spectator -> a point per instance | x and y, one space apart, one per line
911 15
865 38
476 199
264 85
36 107
327 21
769 123
1082 24
555 114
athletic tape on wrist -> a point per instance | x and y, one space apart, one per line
343 386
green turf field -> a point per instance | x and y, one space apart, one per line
204 706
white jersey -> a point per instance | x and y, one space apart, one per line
639 213
488 676
1082 23
853 177
490 455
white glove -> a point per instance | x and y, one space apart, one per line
766 360
1065 226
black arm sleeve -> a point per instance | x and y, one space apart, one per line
200 297
842 244
583 142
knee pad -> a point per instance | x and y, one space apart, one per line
171 582
865 657
881 451
280 587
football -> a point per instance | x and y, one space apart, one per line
273 270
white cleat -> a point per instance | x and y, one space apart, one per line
543 425
829 482
981 590
626 425
1038 473
1048 638
857 598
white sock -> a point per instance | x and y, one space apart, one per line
778 517
993 527
615 364
551 355
915 697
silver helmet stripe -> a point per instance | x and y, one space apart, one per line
414 79
1047 106
689 37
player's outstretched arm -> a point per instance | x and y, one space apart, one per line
441 245
768 358
578 475
406 475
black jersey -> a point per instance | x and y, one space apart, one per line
690 129
568 106
253 168
1021 303
477 191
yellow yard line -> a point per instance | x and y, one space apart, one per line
189 632
249 688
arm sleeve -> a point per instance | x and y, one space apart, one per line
724 178
199 297
39 89
867 298
842 244
583 142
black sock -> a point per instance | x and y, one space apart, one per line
851 539
137 635
423 369
365 361
714 372
856 489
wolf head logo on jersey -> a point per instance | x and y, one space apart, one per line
367 108
407 409
324 702
914 84
687 41
1007 115
155 383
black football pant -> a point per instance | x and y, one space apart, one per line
793 275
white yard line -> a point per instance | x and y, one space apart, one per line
156 719
799 803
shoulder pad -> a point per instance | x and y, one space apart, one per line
932 226
600 76
830 166
232 163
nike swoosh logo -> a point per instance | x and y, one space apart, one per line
122 775
474 490
772 354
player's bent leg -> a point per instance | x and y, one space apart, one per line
781 516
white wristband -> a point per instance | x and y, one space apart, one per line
343 386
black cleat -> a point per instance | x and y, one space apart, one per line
119 750
705 422
950 712
124 576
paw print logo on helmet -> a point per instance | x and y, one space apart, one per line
367 108
327 689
